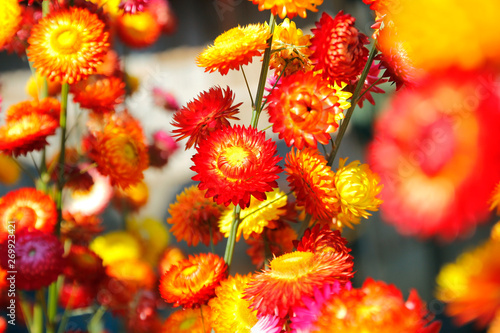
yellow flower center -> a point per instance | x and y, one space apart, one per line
66 40
129 151
189 270
235 155
247 317
187 323
229 38
235 161
292 265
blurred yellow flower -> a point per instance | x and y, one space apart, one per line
9 170
10 16
152 234
115 246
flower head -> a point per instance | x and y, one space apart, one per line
133 6
10 172
257 216
10 17
29 209
83 265
210 112
313 183
358 188
152 234
131 198
68 45
99 93
188 321
230 312
235 163
116 246
192 281
304 109
322 239
47 106
194 217
80 229
160 150
138 30
234 48
338 48
288 8
293 276
38 258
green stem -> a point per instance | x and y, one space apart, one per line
231 241
354 101
60 177
263 74
52 307
25 308
37 326
94 323
248 87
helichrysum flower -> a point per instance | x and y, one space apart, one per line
10 16
288 8
470 286
99 93
322 239
304 109
68 45
290 49
211 111
47 106
10 171
256 217
358 188
138 30
152 234
230 312
293 276
338 48
115 246
235 163
188 321
313 183
133 6
131 198
234 48
135 273
120 150
194 218
192 282
29 209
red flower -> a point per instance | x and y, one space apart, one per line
235 163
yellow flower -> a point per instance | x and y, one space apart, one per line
153 236
256 216
290 8
358 188
116 246
291 49
234 48
10 16
9 170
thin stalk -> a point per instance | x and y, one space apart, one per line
267 204
248 87
25 308
275 84
263 75
231 241
93 325
52 307
354 101
37 324
202 319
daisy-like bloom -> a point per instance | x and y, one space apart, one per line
256 217
338 48
27 134
293 276
120 150
131 198
230 312
38 258
288 8
136 273
10 172
192 281
138 30
430 144
152 234
470 287
99 93
194 217
234 48
495 199
235 163
322 239
358 189
313 183
93 200
68 45
171 256
304 109
211 111
80 229
10 17
29 209
116 246
290 49
188 321
133 6
48 106
376 307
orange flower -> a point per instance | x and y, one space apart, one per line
338 47
188 321
293 276
322 239
29 209
48 106
120 150
99 93
34 84
312 182
136 273
68 45
235 163
171 256
289 8
131 198
230 312
138 30
80 229
10 16
194 217
10 172
376 307
304 109
26 134
211 111
192 281
234 48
